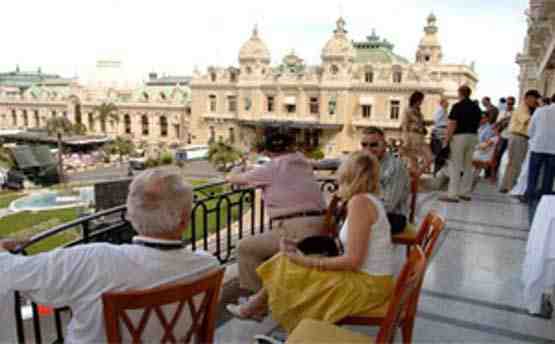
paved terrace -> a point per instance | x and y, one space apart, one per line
472 291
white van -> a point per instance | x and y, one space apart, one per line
192 152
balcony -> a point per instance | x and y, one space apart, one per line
472 291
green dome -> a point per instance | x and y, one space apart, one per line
377 51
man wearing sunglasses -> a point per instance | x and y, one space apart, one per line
394 178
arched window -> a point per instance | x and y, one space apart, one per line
25 119
144 123
14 118
37 119
334 69
397 74
163 126
91 121
127 123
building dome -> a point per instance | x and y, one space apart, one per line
376 50
339 46
254 49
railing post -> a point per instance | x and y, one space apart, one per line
20 330
36 323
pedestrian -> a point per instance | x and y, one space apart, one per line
518 140
542 156
491 110
439 132
414 133
503 125
462 136
502 104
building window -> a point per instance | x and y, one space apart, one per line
212 103
233 76
91 121
290 108
65 114
77 111
212 137
25 119
231 135
37 119
144 124
314 105
248 70
270 103
213 76
369 77
366 111
127 123
177 129
54 114
397 76
14 118
232 103
334 69
332 106
248 104
163 126
395 109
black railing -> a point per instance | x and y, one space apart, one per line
221 216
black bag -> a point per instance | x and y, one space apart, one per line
322 245
397 222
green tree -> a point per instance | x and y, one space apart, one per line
221 153
106 112
5 158
123 147
59 127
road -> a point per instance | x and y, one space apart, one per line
194 169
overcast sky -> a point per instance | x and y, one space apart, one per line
174 36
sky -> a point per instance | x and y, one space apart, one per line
67 37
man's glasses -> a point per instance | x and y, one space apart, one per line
370 144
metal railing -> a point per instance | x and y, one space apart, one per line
221 215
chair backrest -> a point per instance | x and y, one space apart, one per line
334 215
204 291
429 231
414 182
406 287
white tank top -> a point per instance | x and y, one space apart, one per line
379 259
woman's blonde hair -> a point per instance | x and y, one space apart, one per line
360 173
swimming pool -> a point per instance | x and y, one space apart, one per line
49 200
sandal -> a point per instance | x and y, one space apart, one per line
238 311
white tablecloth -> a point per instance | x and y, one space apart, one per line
538 272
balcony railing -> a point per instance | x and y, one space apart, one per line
214 207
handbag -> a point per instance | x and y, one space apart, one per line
325 245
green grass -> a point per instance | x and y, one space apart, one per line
7 197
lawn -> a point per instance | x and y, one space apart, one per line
7 197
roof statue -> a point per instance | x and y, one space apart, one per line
254 49
339 46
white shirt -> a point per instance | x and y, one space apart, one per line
379 260
502 115
77 277
440 118
541 129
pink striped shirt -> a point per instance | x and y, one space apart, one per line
288 185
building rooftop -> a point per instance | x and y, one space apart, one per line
376 50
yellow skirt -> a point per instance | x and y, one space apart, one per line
296 292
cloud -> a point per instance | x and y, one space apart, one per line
172 36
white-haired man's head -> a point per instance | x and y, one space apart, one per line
159 202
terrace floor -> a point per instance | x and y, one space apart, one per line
472 291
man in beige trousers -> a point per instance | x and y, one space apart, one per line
518 139
462 137
294 202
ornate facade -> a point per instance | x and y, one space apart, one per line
537 60
356 85
156 113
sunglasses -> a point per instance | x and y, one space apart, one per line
370 144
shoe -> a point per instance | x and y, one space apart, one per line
236 311
504 191
465 198
262 339
449 199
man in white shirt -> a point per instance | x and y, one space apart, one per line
159 206
504 120
542 153
439 132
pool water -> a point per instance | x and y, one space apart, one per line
53 200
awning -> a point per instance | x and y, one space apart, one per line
290 100
365 100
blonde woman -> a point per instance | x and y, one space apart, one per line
298 287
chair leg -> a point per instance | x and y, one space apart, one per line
406 330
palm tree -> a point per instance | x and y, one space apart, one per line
221 154
59 126
106 111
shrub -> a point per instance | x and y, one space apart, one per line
166 158
315 153
149 163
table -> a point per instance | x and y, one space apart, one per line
538 271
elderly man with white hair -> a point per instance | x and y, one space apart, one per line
158 206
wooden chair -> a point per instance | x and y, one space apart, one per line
312 331
429 232
153 300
